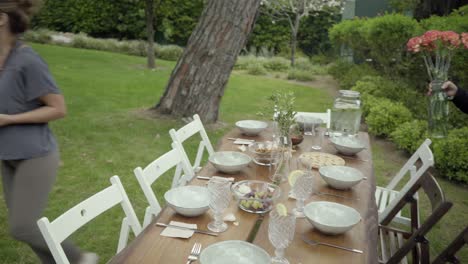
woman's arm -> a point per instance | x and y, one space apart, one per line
54 108
461 100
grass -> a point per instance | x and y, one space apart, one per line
107 133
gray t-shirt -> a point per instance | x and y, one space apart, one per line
25 78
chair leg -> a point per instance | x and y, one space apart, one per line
148 217
124 232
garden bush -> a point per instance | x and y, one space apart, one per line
277 64
256 69
169 52
42 36
451 155
339 68
410 135
300 75
302 63
244 61
354 74
350 33
385 116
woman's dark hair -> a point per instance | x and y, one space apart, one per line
19 13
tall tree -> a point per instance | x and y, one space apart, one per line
198 81
426 8
294 10
149 11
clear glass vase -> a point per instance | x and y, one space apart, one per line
283 168
438 111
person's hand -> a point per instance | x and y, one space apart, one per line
5 120
449 88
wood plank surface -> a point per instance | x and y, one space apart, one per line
150 247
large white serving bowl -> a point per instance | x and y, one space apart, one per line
188 200
230 161
340 177
347 145
251 127
234 252
331 218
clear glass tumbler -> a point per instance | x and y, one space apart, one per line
281 233
220 197
302 190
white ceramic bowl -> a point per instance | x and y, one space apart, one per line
234 252
340 177
188 200
256 196
331 218
347 145
251 127
230 161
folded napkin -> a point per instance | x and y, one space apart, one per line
176 232
241 141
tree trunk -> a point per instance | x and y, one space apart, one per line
149 10
426 8
198 81
294 31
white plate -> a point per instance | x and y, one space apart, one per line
230 161
234 252
331 218
251 127
340 177
188 200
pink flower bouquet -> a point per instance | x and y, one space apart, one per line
438 48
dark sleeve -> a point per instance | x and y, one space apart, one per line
461 100
37 79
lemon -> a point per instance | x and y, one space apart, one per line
281 209
293 176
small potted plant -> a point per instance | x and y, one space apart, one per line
295 134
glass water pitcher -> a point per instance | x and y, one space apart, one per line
346 114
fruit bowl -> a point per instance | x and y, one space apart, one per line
256 196
264 153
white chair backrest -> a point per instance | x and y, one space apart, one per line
424 155
148 175
57 231
187 131
324 116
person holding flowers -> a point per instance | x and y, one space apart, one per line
438 48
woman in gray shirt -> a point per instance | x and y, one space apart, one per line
29 99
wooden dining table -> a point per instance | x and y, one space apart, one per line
150 247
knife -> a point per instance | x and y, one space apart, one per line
186 228
314 243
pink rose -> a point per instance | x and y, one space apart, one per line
414 44
451 39
430 37
464 39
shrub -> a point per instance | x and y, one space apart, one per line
243 62
339 68
451 155
354 74
300 75
410 135
38 36
256 69
302 64
350 33
386 37
169 52
277 64
368 101
385 116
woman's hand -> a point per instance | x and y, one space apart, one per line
5 120
449 88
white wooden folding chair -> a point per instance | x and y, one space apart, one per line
57 231
416 166
396 244
187 131
325 117
148 175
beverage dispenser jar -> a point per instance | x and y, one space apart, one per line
346 114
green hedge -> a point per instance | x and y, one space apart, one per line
410 135
385 116
451 155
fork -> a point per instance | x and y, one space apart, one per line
314 243
196 249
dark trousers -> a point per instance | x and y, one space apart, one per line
26 186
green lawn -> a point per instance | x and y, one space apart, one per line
105 134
